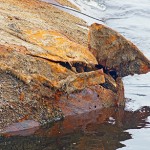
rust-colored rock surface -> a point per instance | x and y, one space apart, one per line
46 69
115 52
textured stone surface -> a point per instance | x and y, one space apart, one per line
115 52
47 70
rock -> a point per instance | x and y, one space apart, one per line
115 52
110 83
46 68
89 99
23 128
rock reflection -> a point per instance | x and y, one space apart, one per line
97 130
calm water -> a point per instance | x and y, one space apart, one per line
109 129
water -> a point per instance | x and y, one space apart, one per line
107 129
97 130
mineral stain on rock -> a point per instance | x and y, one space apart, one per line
47 70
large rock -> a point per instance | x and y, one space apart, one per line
115 52
46 69
38 89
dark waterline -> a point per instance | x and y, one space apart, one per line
97 130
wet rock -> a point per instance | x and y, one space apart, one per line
91 98
37 89
22 128
115 52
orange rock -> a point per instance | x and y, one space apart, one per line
57 47
46 68
22 96
115 52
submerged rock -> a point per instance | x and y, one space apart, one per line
115 52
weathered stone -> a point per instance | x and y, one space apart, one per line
46 72
115 52
110 83
46 69
57 47
29 125
91 98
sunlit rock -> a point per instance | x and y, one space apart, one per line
46 69
115 52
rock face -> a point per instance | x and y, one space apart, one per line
116 53
46 68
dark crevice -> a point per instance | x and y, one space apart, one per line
99 66
65 64
111 72
79 67
83 67
110 87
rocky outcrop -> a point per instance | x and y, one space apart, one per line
46 68
115 52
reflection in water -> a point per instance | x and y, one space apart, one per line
97 130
